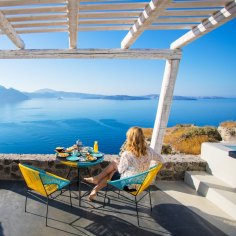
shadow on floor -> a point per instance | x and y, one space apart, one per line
175 218
1 230
168 217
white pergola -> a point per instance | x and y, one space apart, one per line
72 16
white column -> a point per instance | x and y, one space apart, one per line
164 104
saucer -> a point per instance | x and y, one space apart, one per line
97 155
72 158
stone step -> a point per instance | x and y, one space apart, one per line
201 206
215 190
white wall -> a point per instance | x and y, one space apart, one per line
219 163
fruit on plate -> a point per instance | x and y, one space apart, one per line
69 149
90 157
63 154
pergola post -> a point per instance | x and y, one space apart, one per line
164 104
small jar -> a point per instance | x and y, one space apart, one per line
95 146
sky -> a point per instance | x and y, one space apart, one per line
207 67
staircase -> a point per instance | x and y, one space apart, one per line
216 188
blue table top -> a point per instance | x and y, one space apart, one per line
80 164
85 164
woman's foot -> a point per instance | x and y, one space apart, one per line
92 195
91 180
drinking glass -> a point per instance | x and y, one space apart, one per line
75 153
79 144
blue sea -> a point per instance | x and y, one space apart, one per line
39 125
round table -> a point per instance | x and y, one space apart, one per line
79 165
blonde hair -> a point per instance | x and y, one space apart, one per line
136 142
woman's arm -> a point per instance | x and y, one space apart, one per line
123 164
155 156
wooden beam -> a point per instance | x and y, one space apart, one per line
35 2
113 6
198 4
164 104
91 54
37 17
224 15
171 27
104 28
123 21
104 15
54 9
146 18
187 12
85 28
7 29
39 24
82 15
48 29
73 22
180 19
28 2
104 1
87 15
43 30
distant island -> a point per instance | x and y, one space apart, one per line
13 95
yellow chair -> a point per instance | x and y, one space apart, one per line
43 183
141 181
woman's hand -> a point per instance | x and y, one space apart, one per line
117 162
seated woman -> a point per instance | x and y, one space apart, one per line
135 159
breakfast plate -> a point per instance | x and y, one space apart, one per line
86 159
90 158
82 159
97 155
72 158
63 154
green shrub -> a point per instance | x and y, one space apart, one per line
166 149
209 131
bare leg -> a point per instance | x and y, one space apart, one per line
100 185
108 171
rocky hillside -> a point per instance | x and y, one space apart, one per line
186 139
227 131
11 95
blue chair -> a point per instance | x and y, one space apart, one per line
141 182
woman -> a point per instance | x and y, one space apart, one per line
135 159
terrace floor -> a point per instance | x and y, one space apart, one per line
169 216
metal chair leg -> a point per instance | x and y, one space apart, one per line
136 203
70 196
79 185
105 196
150 198
47 212
26 197
68 173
